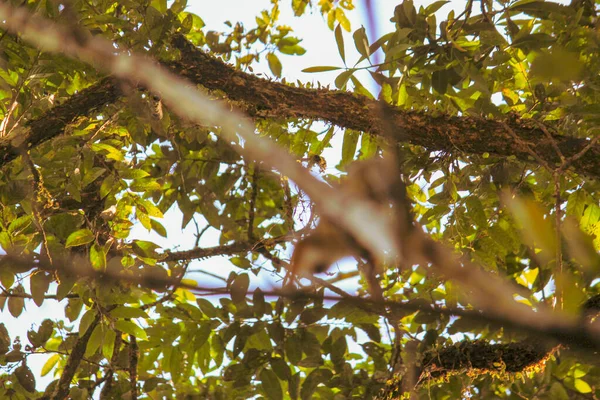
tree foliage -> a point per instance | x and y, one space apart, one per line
481 140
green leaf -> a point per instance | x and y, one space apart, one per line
97 257
439 81
270 385
368 146
108 344
576 204
108 151
361 42
239 288
558 392
49 364
25 378
148 208
433 7
132 173
107 186
158 228
206 307
293 349
349 146
258 302
342 79
129 312
16 304
281 368
537 230
130 328
86 321
39 284
339 40
590 217
202 335
294 386
79 238
558 64
144 185
311 382
92 175
95 340
7 278
476 211
274 64
582 386
19 224
146 249
320 69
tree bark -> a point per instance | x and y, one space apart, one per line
261 98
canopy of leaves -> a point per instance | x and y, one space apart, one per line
492 113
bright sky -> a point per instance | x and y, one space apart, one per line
321 48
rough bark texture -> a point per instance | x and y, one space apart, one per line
478 357
469 135
54 121
481 355
261 98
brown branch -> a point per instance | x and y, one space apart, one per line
572 332
252 204
267 99
475 355
62 388
469 135
134 355
199 253
480 357
53 122
228 249
105 392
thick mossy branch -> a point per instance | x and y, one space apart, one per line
262 98
469 135
473 359
485 357
481 357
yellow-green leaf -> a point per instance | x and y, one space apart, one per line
79 238
582 386
49 364
130 328
320 69
339 39
274 64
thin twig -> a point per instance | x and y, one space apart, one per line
252 204
558 237
581 153
552 141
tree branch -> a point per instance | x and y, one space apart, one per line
267 99
470 356
469 135
228 249
64 384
